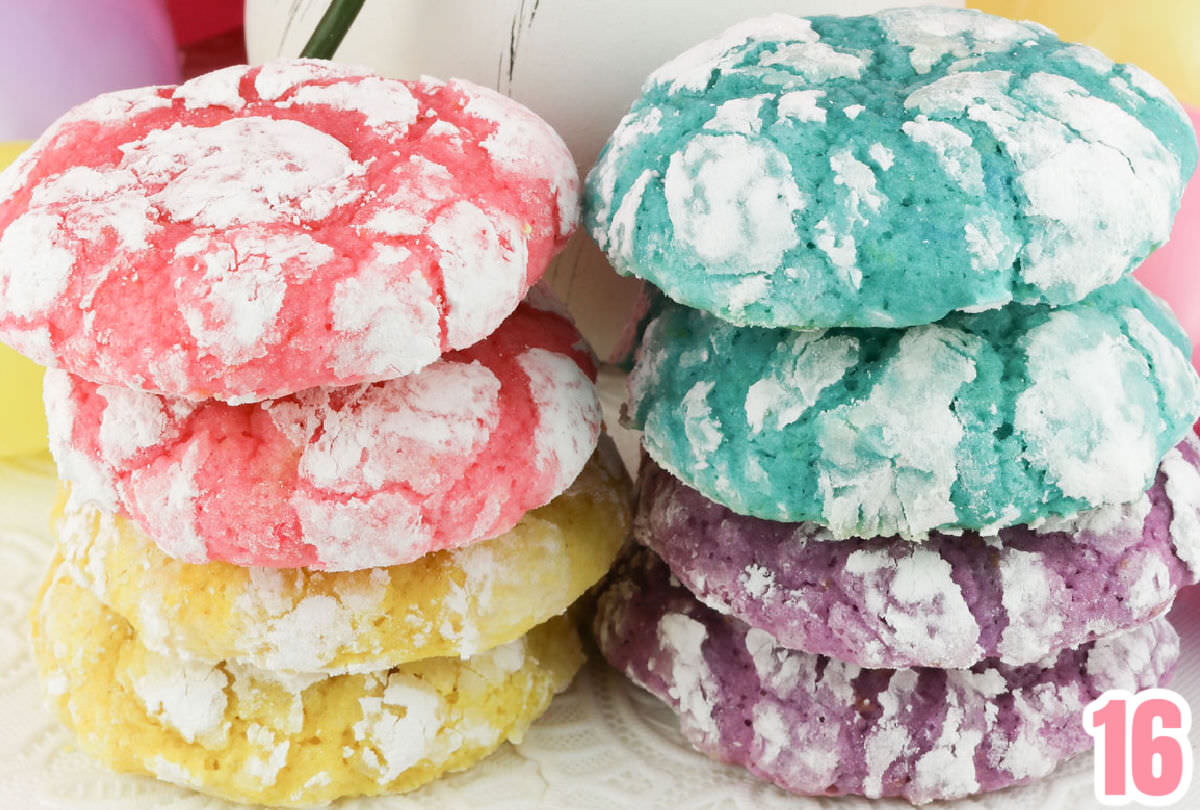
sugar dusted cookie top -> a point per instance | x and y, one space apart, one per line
285 739
449 603
818 726
977 422
342 478
887 170
258 231
949 602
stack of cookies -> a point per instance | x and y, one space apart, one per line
332 463
916 486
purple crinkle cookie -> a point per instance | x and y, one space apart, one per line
817 726
951 601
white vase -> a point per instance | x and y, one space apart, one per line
577 63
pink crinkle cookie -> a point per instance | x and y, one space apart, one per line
348 478
262 230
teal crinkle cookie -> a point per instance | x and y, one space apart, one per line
977 422
887 170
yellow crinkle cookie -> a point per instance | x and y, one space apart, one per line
248 735
448 603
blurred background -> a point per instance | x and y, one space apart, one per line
577 63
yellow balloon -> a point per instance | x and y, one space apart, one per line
1160 36
9 151
22 419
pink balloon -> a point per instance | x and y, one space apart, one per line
1173 271
55 54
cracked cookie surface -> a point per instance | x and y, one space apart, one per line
257 231
342 478
980 421
817 726
886 170
449 603
258 737
950 601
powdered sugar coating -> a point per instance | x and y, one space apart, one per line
187 697
818 726
980 421
259 231
343 478
887 170
949 602
450 603
286 739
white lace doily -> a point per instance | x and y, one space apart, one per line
603 744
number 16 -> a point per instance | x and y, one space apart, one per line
1142 750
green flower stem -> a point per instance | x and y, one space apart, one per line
332 28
